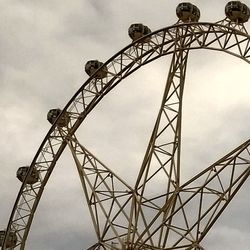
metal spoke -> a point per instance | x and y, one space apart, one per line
160 169
202 199
108 196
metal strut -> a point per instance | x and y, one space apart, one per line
201 200
159 176
107 195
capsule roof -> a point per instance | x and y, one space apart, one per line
54 113
31 179
92 66
237 12
188 12
138 30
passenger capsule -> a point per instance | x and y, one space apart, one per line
11 241
92 66
188 12
54 113
31 179
138 30
237 12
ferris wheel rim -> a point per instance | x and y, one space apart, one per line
132 44
88 81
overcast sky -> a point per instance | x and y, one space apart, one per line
44 46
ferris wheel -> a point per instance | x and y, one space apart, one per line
159 211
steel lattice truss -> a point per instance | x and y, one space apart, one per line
177 216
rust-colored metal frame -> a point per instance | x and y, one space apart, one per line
142 216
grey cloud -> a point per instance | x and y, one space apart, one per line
44 46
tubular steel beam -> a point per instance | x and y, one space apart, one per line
160 169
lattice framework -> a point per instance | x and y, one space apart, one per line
188 36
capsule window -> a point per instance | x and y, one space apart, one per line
244 11
96 65
137 28
22 172
146 30
53 114
236 6
2 233
11 240
186 7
